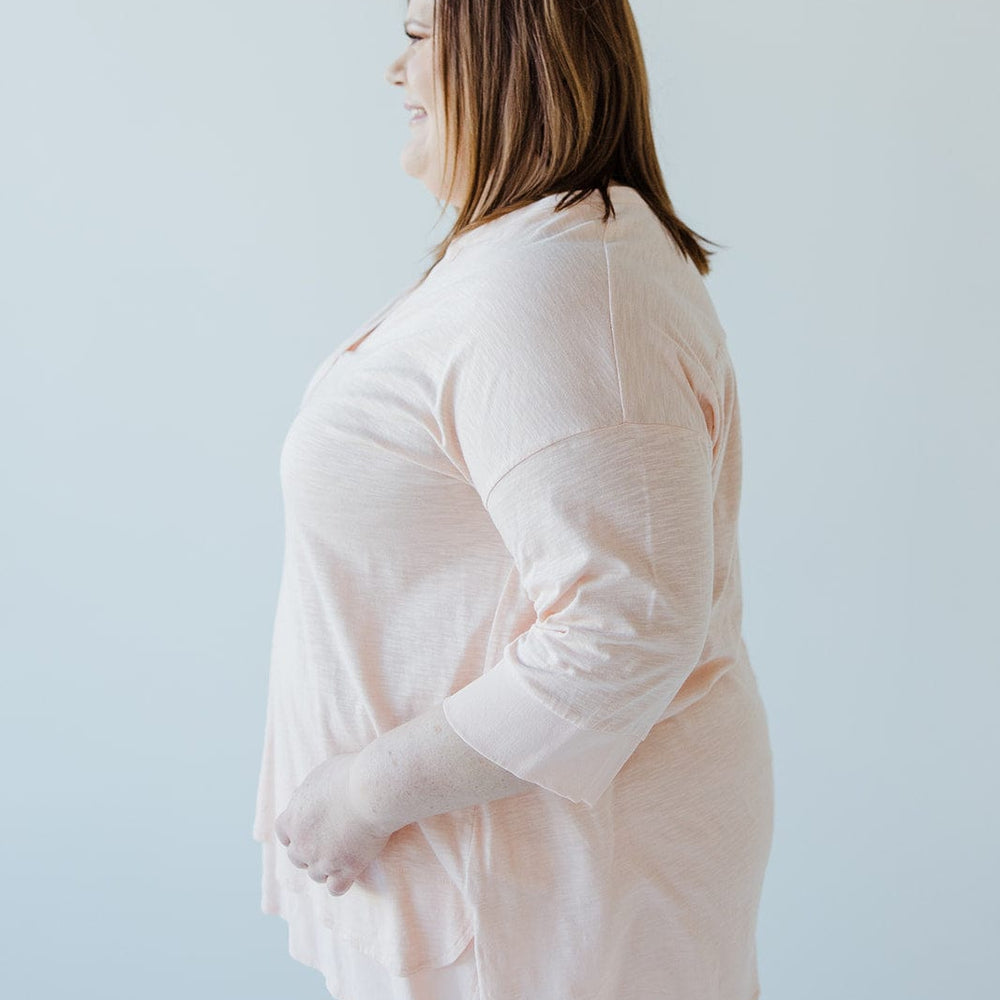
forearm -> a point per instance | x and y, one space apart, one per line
423 768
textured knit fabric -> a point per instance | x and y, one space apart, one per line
515 490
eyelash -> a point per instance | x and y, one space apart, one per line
415 38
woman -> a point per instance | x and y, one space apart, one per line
514 746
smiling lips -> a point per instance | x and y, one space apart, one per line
419 113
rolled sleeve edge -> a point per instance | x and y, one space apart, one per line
500 719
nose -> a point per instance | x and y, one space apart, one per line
393 73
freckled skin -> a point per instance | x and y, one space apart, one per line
342 815
423 768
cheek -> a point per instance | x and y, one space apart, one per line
423 75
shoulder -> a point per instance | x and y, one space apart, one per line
584 322
550 324
527 335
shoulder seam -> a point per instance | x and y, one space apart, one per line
567 437
611 322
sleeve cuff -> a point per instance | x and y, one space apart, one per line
500 719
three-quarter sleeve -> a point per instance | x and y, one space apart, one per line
611 532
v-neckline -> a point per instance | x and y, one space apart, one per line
368 328
374 322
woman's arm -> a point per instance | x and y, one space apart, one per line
423 768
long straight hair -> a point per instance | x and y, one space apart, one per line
543 97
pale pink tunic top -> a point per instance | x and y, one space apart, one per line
517 493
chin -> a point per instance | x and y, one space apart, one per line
414 164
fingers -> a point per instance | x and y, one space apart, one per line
337 886
336 883
297 859
279 831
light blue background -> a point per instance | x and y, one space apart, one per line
199 200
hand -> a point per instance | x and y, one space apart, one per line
323 829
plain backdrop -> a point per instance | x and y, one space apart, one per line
200 199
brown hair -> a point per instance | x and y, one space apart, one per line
548 96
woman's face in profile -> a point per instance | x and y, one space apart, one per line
415 71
